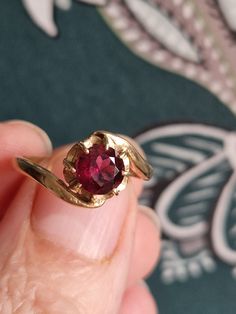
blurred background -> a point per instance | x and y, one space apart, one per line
161 71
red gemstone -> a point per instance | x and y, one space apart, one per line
100 170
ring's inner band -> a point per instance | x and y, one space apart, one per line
139 168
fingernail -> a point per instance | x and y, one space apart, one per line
93 233
151 214
43 135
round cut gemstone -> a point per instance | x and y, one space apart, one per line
99 171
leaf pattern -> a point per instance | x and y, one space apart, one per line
193 38
229 10
225 220
194 193
173 153
163 29
186 204
42 12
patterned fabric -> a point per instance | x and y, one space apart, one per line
193 191
192 38
73 84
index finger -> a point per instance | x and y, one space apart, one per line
18 138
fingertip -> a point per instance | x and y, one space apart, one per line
18 138
23 137
147 243
152 216
138 300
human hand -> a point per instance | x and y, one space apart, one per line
57 258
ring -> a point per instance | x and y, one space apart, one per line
94 169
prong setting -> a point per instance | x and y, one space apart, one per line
69 165
83 147
97 138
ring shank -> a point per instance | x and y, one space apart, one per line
140 168
38 169
52 183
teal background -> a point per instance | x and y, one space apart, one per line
85 80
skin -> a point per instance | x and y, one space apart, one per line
40 271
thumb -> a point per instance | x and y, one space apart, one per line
89 249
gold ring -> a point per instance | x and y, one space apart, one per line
94 169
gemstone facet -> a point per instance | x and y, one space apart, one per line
100 170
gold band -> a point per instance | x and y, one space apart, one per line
72 191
